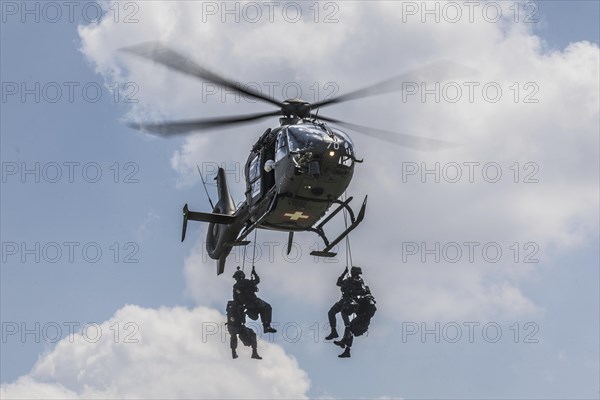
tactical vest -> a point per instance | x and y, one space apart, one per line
245 291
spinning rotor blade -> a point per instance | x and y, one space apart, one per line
161 54
436 72
402 139
183 127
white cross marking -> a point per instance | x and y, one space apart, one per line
296 216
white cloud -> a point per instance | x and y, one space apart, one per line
559 133
176 356
146 226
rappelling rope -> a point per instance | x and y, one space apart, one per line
348 250
254 249
244 258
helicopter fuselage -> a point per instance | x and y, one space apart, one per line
294 174
304 168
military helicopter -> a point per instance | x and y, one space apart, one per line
295 172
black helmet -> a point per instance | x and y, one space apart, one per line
239 274
355 271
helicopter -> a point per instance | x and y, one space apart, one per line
296 171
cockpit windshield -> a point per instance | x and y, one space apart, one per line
302 138
344 137
307 138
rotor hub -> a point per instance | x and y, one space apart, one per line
296 108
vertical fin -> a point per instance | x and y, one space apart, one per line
185 221
225 203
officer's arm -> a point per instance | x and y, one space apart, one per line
340 280
255 278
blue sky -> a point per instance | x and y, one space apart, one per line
141 213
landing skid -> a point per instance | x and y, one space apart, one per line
353 224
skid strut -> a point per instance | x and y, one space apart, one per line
353 224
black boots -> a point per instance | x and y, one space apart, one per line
346 353
344 345
255 354
332 335
269 329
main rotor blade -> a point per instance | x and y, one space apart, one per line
175 128
402 139
435 72
161 54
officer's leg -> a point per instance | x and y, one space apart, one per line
251 337
347 342
346 317
244 337
348 337
266 313
233 342
265 310
336 308
253 343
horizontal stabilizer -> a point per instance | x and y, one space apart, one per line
211 217
203 217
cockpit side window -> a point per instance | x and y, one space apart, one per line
253 175
282 146
254 169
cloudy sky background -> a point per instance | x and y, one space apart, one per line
170 298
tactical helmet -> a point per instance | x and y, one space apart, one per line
355 271
239 274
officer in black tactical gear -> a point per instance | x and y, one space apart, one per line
351 287
360 324
244 293
235 325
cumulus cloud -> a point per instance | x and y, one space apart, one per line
540 131
529 111
164 353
